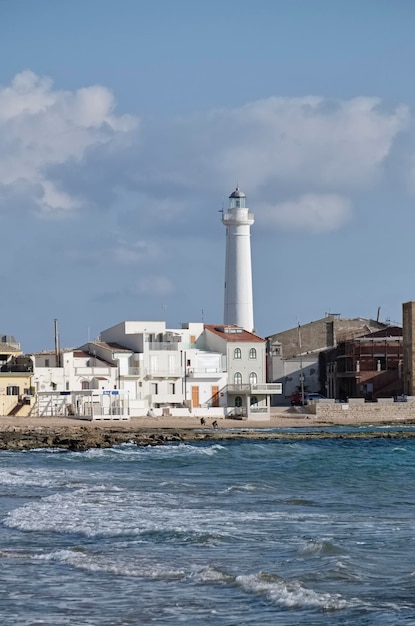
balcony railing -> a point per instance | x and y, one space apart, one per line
230 217
136 371
257 388
92 371
204 372
258 409
170 373
163 345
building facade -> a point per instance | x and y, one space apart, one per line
16 373
369 367
293 355
247 392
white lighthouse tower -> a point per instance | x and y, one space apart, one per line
239 308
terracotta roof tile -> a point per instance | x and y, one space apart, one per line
227 332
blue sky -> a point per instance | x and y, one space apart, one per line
125 126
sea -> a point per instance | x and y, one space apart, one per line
238 532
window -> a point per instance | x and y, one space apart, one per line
67 386
253 378
254 400
252 353
46 362
237 378
154 388
13 390
238 401
237 354
85 384
172 388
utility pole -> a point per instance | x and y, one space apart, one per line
57 350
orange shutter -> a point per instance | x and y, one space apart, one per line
195 397
215 395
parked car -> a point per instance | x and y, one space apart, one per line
401 398
308 397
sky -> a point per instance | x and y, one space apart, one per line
126 124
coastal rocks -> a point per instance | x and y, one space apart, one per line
78 439
81 438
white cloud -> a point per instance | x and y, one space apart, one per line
313 213
313 149
41 127
308 141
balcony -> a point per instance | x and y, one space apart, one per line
92 371
170 373
207 372
163 345
135 371
229 218
261 388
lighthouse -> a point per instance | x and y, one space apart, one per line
239 308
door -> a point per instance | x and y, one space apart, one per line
215 395
195 397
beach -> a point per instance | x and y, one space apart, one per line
75 434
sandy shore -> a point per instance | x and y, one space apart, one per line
26 433
281 419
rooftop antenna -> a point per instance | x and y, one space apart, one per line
378 314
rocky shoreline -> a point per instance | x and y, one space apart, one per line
81 438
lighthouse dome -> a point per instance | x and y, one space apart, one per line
237 194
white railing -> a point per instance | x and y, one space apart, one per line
230 217
258 388
200 371
158 373
92 371
136 371
163 345
268 387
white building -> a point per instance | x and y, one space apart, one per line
247 392
205 370
72 370
74 382
168 370
161 368
238 304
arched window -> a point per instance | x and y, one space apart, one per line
252 353
85 384
238 401
237 354
254 400
253 378
237 378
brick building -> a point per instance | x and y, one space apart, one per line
367 367
293 355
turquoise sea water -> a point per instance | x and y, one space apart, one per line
239 532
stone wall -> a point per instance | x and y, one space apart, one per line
408 319
359 410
